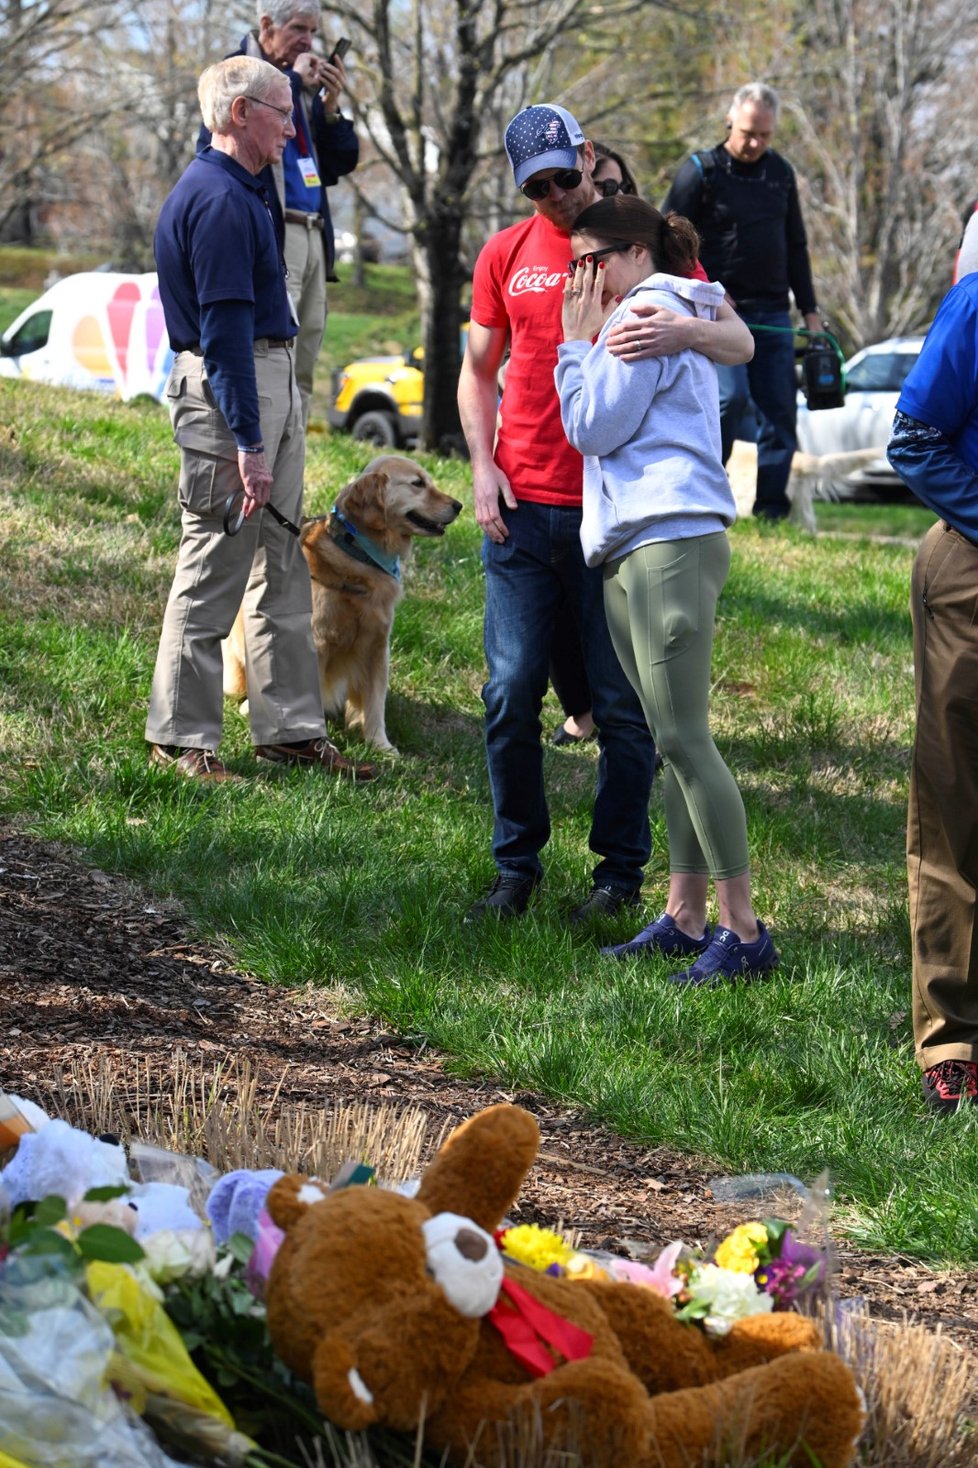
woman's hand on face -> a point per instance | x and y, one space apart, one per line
583 314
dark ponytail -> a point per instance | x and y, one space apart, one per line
671 240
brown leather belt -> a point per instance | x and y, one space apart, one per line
311 221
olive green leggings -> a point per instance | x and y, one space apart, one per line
661 604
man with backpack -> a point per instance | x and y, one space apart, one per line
742 197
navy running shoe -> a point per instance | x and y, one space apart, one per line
661 936
728 959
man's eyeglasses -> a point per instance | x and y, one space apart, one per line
594 256
609 187
282 111
539 188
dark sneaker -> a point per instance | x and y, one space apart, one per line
318 752
950 1083
603 902
508 896
726 959
196 764
661 936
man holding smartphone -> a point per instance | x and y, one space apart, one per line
324 149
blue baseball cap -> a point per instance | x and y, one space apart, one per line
542 137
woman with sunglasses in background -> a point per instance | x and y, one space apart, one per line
612 174
657 504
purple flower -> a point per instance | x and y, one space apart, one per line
798 1269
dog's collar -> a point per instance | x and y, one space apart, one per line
362 548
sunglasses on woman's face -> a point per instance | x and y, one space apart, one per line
594 256
609 187
539 188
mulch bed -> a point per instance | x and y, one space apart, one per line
93 970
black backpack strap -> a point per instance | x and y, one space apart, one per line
705 165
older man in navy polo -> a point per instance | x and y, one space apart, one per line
236 414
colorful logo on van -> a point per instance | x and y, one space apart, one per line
127 345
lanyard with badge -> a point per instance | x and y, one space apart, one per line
307 163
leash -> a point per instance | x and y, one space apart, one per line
807 331
234 515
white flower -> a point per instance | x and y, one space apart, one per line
731 1295
172 1253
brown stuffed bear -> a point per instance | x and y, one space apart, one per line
401 1310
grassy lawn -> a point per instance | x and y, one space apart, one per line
364 890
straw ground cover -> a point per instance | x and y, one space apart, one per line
363 891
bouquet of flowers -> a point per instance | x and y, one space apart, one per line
758 1267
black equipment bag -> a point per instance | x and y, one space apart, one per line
822 374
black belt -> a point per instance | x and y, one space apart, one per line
311 221
196 350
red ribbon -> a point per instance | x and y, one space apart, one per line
535 1335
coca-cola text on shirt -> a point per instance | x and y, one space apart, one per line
536 280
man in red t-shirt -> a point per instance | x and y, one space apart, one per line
527 487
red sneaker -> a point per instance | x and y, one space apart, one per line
950 1083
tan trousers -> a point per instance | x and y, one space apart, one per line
305 260
942 823
262 568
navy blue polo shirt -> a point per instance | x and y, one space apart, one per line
222 279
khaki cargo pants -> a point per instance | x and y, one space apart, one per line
262 568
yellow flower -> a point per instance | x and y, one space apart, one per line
538 1247
739 1250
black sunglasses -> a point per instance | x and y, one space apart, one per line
609 187
594 256
539 188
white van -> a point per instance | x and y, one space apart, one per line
94 330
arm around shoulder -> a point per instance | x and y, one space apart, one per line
726 341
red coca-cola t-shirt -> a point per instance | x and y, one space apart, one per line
519 285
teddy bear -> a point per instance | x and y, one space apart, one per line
401 1311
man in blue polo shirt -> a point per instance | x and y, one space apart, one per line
322 150
236 416
934 448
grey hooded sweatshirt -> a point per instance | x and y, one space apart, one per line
649 432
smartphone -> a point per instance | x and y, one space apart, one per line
340 49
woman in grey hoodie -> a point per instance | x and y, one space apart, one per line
657 504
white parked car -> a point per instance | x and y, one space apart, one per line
874 378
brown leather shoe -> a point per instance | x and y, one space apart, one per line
318 752
196 764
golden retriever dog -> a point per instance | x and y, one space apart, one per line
355 555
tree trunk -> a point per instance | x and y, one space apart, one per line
441 429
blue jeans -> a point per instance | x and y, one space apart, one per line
540 566
769 379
